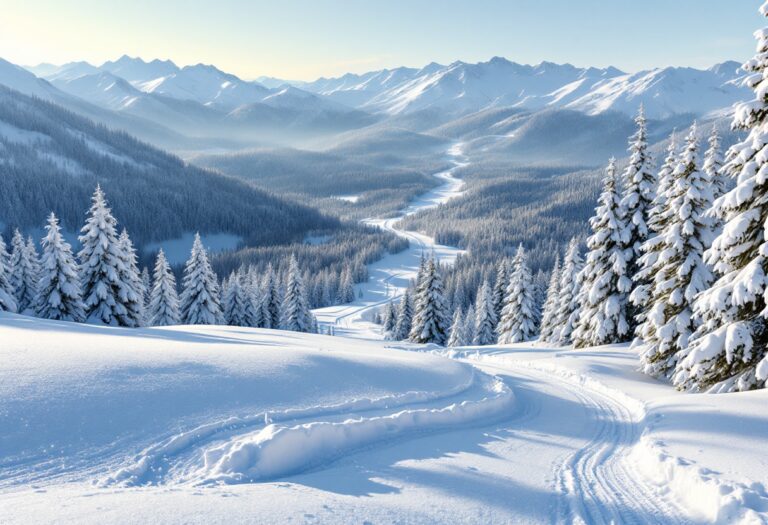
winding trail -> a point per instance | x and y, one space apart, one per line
390 276
578 436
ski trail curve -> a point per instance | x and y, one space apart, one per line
391 275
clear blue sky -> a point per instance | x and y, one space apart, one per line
305 39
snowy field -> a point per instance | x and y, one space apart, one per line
219 424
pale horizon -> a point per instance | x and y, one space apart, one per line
302 40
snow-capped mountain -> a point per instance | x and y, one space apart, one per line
464 88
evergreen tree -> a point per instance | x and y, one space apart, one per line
270 297
60 294
389 318
680 274
500 287
485 317
713 166
22 274
639 190
146 285
605 282
346 287
34 263
253 312
163 307
640 296
731 355
470 319
7 299
431 321
296 315
567 313
133 293
404 317
518 317
457 337
236 301
102 267
548 329
200 301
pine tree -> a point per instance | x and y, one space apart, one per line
253 312
346 287
567 313
404 317
457 337
548 329
651 249
518 317
431 321
605 282
133 293
731 355
713 166
485 317
7 299
200 301
470 319
296 315
102 266
60 293
146 284
270 297
22 275
639 183
236 301
163 309
34 264
500 287
680 274
389 318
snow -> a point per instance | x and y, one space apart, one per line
348 198
177 250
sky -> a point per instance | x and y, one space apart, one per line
307 39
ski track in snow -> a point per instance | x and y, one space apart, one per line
597 482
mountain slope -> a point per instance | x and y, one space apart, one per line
51 160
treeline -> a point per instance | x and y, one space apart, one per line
103 283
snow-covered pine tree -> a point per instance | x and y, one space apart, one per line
485 316
102 266
146 284
133 293
640 296
236 301
431 320
296 315
548 328
200 301
639 182
59 292
271 299
163 307
500 287
680 274
567 309
470 319
253 311
34 262
22 275
389 318
518 317
7 299
404 317
457 337
730 355
605 282
346 287
713 165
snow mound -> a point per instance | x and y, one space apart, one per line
278 451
